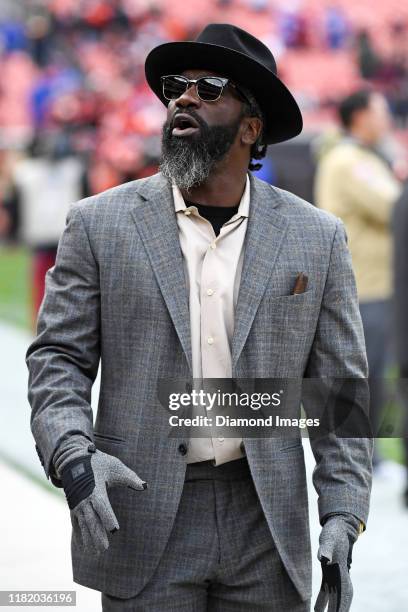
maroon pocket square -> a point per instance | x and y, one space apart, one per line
300 283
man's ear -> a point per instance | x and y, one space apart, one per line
251 129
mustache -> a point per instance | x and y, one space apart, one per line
203 124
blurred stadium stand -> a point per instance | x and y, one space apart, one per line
77 66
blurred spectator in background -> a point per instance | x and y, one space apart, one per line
355 182
294 26
40 32
336 27
400 232
8 217
397 69
388 71
42 187
368 60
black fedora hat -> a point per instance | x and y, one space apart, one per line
236 54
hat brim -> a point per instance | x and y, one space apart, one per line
282 115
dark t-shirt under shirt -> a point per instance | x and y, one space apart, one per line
216 215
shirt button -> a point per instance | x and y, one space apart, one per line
187 212
210 291
221 439
213 245
210 340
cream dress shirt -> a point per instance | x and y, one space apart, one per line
213 266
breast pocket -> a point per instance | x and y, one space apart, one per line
293 313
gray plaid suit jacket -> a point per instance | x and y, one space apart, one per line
117 294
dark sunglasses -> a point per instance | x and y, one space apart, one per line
209 88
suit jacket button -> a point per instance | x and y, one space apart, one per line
182 449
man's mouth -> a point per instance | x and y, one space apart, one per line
184 125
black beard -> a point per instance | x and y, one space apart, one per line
188 161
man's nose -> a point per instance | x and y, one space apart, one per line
188 98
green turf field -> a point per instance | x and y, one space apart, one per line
14 286
15 309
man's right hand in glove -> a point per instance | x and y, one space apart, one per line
85 480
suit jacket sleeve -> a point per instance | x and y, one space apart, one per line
64 357
343 472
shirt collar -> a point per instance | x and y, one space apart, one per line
243 208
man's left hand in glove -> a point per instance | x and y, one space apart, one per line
336 541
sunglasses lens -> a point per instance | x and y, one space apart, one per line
174 87
209 89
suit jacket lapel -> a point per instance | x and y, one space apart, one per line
156 222
264 239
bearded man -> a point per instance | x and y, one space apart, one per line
201 271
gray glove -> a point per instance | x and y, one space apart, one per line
337 538
85 480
